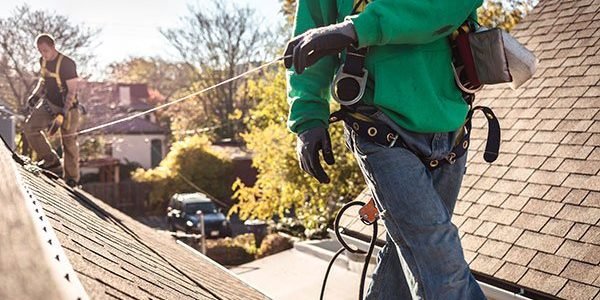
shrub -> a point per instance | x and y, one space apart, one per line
190 166
232 251
273 243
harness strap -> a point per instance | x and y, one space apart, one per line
492 145
380 133
55 74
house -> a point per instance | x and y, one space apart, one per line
530 222
141 140
60 243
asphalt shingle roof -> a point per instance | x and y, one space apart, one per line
532 218
112 255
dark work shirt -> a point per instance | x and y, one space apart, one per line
68 70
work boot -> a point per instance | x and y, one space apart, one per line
54 167
71 182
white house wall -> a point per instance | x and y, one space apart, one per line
135 148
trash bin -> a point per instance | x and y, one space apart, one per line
258 228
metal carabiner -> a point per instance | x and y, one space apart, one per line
362 84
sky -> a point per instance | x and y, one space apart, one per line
130 27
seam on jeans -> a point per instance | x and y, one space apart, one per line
377 290
420 281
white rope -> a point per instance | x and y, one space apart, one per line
139 114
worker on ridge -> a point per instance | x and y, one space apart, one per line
57 110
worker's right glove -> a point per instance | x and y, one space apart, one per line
309 143
306 49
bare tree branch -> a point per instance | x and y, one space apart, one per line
19 59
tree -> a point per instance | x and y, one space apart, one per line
19 56
282 187
504 14
190 166
218 42
494 13
167 78
288 8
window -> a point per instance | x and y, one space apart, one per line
124 95
156 152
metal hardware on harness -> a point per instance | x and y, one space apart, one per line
372 131
462 86
392 138
451 158
369 213
434 163
361 81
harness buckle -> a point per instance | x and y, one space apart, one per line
392 138
360 80
451 158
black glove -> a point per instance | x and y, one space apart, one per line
307 48
308 145
33 100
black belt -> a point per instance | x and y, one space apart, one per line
382 134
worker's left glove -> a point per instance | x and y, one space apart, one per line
57 122
308 146
307 48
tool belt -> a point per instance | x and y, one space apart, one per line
380 133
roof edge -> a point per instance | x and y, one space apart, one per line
196 252
62 273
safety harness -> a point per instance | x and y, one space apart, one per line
61 89
348 88
55 74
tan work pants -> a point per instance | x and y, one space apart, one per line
35 131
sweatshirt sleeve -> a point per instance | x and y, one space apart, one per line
308 93
410 21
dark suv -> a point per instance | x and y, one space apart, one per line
182 214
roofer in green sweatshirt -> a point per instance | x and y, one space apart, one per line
390 64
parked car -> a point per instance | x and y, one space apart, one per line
183 214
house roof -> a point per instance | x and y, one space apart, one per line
102 104
5 111
139 125
60 243
532 218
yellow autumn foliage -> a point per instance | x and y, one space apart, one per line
190 166
282 187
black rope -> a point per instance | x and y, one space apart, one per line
345 246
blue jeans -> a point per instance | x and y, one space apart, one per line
423 257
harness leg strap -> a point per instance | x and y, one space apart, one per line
492 145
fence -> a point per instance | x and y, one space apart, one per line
128 196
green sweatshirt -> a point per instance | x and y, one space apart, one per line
410 76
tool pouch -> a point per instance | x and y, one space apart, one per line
492 56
